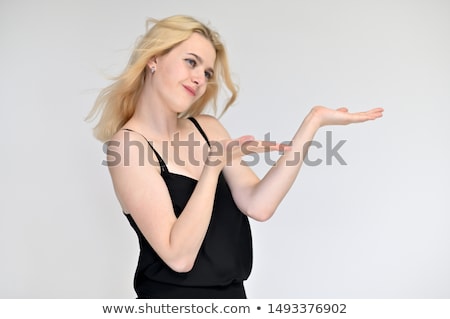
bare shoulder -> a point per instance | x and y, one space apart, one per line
124 135
135 172
128 149
213 127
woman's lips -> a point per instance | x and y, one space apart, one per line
190 90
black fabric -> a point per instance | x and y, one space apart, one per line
224 260
168 291
197 125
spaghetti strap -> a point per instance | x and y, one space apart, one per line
197 125
162 164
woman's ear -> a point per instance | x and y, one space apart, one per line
152 65
152 62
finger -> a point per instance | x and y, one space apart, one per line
371 115
264 147
376 110
342 109
246 138
376 113
281 148
237 142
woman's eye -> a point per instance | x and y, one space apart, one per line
191 62
208 75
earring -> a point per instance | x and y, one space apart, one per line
152 69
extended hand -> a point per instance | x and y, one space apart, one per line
341 116
225 152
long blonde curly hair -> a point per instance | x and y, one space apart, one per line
117 102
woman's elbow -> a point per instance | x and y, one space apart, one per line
261 215
181 265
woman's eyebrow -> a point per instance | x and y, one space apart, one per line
197 57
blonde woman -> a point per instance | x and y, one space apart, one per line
179 176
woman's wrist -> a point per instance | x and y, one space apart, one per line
313 119
212 166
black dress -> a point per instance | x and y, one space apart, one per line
224 260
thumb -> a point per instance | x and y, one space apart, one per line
246 138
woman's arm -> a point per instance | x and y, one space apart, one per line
266 195
143 193
259 198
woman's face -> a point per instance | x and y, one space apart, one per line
181 76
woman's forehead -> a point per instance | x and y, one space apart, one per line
200 46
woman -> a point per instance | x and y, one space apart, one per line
179 176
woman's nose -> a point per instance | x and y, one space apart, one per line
198 77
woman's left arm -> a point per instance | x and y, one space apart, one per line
259 198
263 198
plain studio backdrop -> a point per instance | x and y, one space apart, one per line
378 227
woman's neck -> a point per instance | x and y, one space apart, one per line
154 117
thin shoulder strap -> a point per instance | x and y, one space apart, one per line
193 120
160 159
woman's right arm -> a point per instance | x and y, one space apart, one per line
143 193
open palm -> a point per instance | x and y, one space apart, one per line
341 116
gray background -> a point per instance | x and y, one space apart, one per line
375 228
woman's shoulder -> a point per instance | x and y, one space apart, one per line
127 133
212 127
129 145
